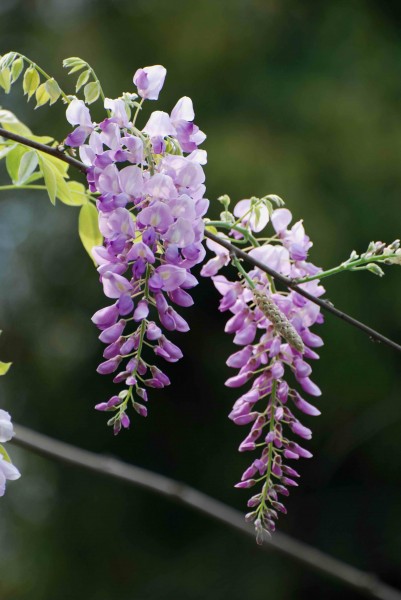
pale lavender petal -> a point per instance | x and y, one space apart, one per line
159 125
149 81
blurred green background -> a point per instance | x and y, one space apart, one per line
301 99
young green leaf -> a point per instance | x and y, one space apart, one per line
82 79
53 89
60 166
49 177
4 150
42 96
28 164
16 69
13 161
88 228
74 63
30 82
5 79
42 139
7 60
10 122
34 177
4 367
91 92
77 194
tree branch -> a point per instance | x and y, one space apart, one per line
365 583
43 148
324 304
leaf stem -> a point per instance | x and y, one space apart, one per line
346 266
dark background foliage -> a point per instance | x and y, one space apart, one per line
301 99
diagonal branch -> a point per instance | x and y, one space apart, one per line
289 283
324 304
57 152
365 583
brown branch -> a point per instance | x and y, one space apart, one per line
324 304
365 583
43 148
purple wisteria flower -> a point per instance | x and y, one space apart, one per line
273 331
150 198
149 81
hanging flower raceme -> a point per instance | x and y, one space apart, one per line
150 198
274 331
7 469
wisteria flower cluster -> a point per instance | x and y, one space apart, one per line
146 200
274 330
7 469
149 186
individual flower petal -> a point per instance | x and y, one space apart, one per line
6 427
77 113
159 125
149 81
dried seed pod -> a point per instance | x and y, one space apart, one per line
279 321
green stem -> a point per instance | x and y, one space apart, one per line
23 187
138 108
350 266
248 236
241 270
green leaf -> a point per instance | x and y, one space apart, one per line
60 166
82 79
13 161
4 150
10 122
4 367
75 63
34 177
88 228
5 79
53 89
16 69
91 92
77 194
28 164
42 139
49 177
42 95
63 191
55 173
7 60
30 82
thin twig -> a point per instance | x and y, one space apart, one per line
324 304
44 148
367 584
